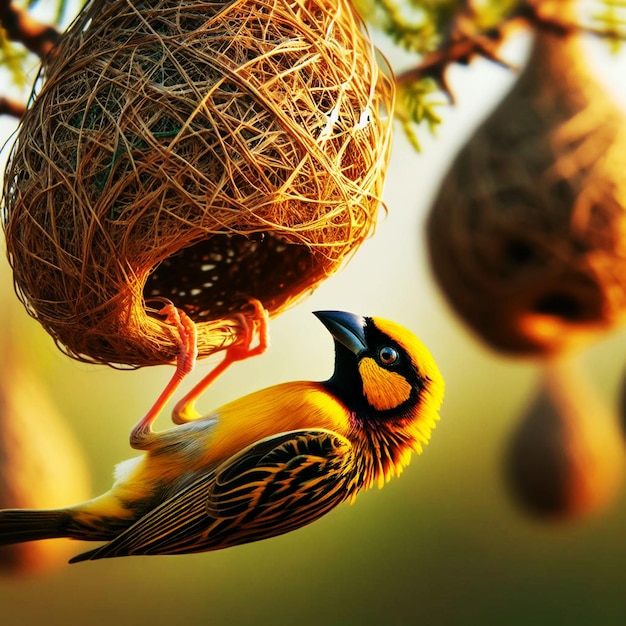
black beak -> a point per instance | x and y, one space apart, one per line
348 329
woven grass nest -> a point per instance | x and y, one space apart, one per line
526 236
203 152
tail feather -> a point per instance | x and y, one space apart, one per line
85 556
19 525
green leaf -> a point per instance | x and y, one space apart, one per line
416 106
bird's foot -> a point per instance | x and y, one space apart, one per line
256 326
141 435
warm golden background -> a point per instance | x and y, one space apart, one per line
444 544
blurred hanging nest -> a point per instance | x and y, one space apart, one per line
203 153
566 457
526 236
41 465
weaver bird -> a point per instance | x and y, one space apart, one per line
266 463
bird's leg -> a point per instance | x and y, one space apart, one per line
142 435
185 411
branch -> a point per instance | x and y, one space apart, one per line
464 42
462 46
534 13
19 26
11 107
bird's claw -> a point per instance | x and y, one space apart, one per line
188 338
141 435
254 326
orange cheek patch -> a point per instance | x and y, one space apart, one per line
383 389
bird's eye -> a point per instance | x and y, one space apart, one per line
388 355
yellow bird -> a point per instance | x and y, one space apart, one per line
266 463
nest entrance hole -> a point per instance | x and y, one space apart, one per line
560 304
216 276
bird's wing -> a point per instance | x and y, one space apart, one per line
272 487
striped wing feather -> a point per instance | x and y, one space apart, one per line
272 487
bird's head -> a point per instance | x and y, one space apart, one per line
388 380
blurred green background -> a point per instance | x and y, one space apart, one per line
443 544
